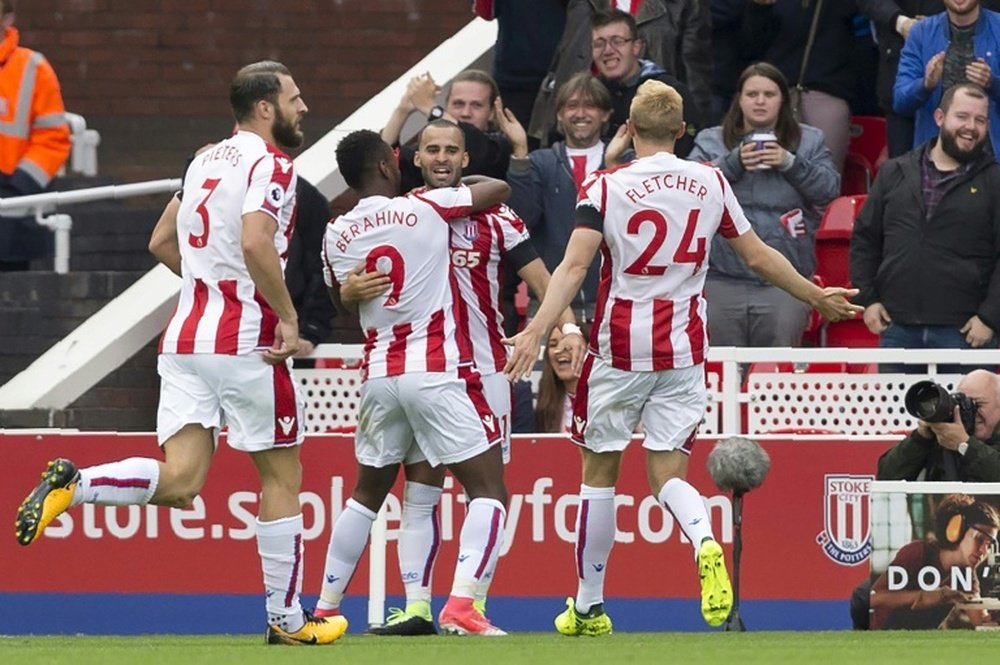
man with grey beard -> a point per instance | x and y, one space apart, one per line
927 242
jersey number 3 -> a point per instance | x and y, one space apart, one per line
684 253
200 241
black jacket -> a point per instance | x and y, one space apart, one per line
906 459
622 94
304 269
778 34
936 271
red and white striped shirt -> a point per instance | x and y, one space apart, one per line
412 327
658 215
480 245
220 309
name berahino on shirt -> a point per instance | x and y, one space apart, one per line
383 218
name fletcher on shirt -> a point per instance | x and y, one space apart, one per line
667 181
383 218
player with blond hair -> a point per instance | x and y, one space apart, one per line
653 220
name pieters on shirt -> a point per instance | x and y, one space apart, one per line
383 218
222 152
674 181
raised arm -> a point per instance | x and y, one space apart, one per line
563 286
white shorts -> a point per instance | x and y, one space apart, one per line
433 416
610 402
260 403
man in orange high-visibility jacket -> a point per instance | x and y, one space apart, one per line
34 140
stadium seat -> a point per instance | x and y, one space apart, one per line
833 240
869 139
852 334
857 175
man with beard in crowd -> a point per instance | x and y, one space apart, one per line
926 244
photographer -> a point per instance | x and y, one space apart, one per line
944 451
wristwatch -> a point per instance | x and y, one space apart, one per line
436 113
962 447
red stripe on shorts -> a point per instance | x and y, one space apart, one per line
286 425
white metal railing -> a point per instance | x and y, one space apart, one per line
41 206
845 402
83 156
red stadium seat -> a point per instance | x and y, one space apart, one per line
833 240
852 334
869 139
857 176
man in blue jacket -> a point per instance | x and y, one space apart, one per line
544 184
960 45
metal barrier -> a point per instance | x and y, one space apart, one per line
41 205
764 402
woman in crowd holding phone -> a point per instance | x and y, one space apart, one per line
783 175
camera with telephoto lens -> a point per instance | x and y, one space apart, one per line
932 403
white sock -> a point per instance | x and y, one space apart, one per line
347 544
129 482
279 544
595 534
419 539
478 546
688 508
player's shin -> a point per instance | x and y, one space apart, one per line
347 543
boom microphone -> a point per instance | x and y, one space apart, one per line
738 464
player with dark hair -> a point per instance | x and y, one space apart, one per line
225 354
421 394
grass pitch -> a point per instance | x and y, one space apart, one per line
770 648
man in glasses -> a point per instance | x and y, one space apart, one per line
616 47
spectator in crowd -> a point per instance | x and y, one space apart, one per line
528 32
470 102
727 20
783 184
676 34
544 184
964 532
777 31
945 451
960 45
925 247
34 141
304 270
616 47
556 387
893 20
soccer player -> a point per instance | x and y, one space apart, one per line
483 246
420 387
225 354
653 220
